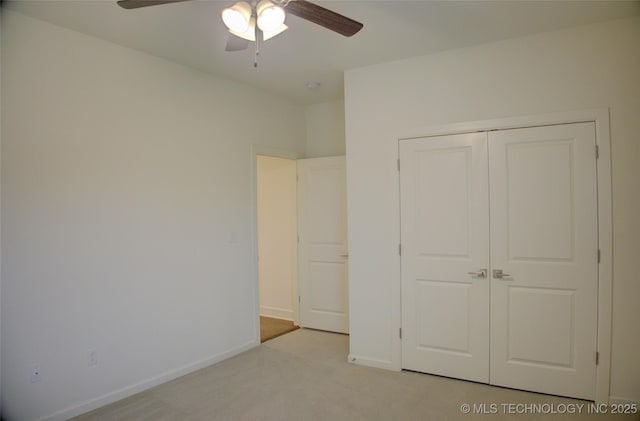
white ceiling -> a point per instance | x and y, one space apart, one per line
193 34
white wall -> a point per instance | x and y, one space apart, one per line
325 129
586 67
126 217
277 231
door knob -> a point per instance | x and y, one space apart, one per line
499 274
482 273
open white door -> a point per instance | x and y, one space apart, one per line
322 247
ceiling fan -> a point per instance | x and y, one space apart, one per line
264 19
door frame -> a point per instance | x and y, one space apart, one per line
253 183
599 116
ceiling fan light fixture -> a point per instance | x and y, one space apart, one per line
266 35
250 33
270 16
237 17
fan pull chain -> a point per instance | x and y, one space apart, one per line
257 50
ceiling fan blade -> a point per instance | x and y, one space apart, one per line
235 43
324 17
136 4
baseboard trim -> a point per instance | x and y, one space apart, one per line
617 400
127 391
276 313
371 362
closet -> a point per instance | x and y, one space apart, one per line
499 257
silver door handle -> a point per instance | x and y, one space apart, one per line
345 256
482 273
499 274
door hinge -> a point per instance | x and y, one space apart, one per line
398 164
400 333
597 152
597 358
399 249
298 237
598 255
299 300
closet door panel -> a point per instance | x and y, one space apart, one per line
543 206
445 234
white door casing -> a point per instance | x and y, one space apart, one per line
543 205
445 235
544 234
322 247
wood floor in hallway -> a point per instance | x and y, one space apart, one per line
272 328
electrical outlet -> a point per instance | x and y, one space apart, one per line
93 358
36 374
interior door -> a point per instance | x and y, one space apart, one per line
544 239
445 255
322 247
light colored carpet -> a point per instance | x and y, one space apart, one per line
272 328
304 375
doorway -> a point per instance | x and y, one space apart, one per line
276 244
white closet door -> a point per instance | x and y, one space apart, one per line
544 238
322 247
445 235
